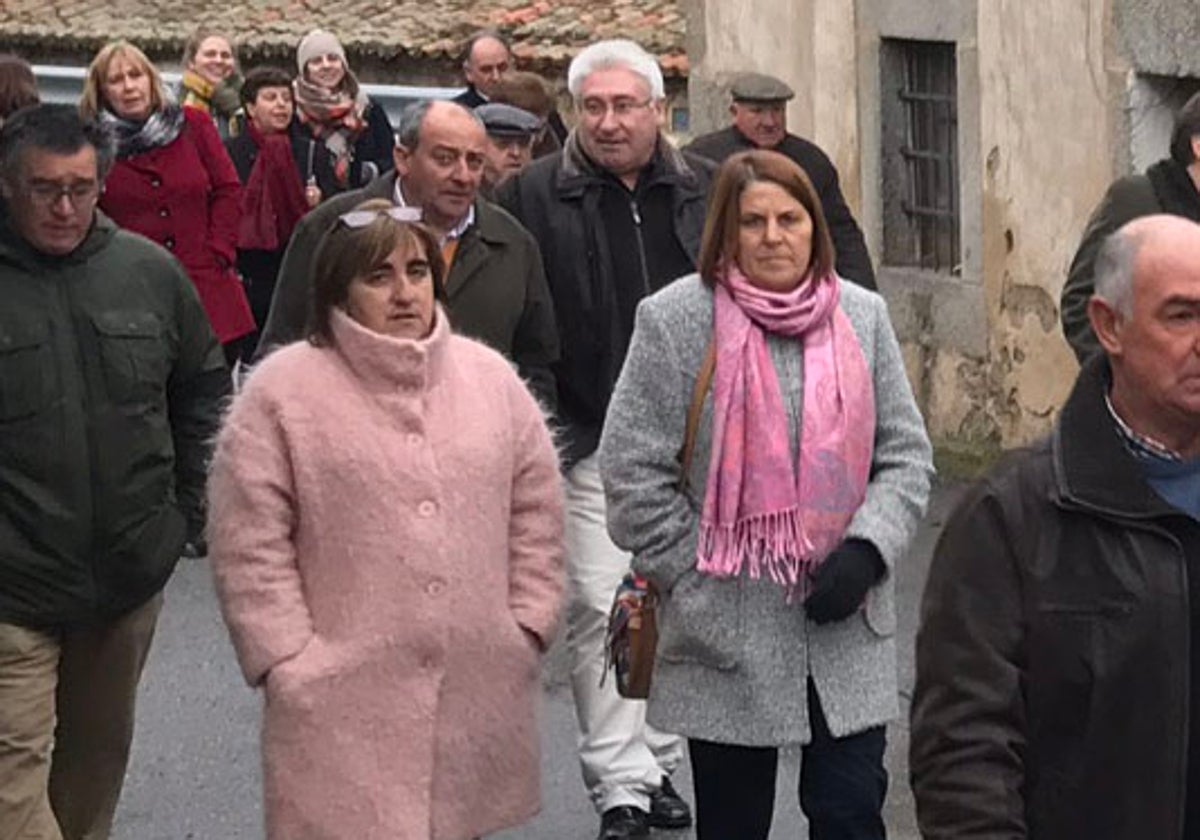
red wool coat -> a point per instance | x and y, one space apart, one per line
186 197
385 525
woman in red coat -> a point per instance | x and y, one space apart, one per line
172 182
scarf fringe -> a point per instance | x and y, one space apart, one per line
774 543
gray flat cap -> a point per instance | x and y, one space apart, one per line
758 87
507 120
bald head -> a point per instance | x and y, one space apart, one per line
1139 246
440 151
1146 315
1164 240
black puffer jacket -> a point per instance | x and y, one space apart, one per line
111 385
558 199
1053 661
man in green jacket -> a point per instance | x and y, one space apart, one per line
1170 186
111 384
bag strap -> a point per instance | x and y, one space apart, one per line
703 381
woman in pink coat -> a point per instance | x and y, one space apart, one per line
173 182
385 525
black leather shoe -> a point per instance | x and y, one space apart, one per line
625 822
667 808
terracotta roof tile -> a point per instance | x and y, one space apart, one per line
545 33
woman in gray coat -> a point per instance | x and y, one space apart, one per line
775 556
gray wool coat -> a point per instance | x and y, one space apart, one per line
733 654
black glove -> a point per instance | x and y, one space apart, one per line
842 580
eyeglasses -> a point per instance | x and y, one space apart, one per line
596 109
362 218
49 193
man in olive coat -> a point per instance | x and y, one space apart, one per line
1057 659
496 289
759 111
111 386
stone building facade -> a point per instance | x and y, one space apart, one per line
974 137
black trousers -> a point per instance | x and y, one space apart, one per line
842 785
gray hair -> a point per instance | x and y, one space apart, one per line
58 129
1113 270
408 129
619 52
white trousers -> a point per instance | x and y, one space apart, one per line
622 758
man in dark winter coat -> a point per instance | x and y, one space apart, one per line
1170 186
618 214
495 288
759 111
1057 690
111 384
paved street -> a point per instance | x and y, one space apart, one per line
194 774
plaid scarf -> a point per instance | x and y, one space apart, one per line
135 138
334 117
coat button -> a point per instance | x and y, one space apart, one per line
170 242
435 587
164 212
156 182
427 508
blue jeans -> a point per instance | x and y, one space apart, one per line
842 785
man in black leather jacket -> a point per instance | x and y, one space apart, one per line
1058 659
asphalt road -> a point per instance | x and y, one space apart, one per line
194 774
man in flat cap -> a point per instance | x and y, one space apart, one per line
510 133
759 111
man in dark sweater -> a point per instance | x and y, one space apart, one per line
759 111
618 214
1170 186
1058 660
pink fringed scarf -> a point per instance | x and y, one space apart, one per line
761 509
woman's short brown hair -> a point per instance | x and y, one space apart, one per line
720 240
18 86
347 253
93 101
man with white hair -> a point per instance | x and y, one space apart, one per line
618 214
1057 689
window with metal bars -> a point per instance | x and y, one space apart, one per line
919 128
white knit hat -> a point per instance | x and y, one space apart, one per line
318 43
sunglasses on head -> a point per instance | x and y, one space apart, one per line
362 218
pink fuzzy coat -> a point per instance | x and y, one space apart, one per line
385 524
